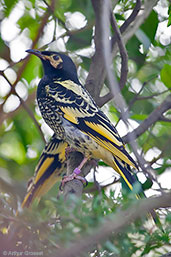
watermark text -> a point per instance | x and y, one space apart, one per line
24 253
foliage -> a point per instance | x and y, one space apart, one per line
69 26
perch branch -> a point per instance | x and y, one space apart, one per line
75 186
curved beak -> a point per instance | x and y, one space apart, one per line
35 52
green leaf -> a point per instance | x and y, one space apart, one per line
168 218
32 69
133 48
169 19
147 184
166 75
86 63
150 26
8 6
25 21
139 116
162 169
79 40
119 17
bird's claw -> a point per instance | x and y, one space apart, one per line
68 178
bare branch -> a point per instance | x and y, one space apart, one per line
97 73
75 186
140 98
114 86
136 23
128 21
104 99
8 115
162 118
123 53
117 37
152 118
116 224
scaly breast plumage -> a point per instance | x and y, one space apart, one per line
51 116
79 140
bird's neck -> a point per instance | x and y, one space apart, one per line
62 77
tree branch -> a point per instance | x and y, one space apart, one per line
129 20
97 73
136 23
75 186
104 99
115 224
152 118
123 53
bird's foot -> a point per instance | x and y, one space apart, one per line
74 175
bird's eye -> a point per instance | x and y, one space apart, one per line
56 57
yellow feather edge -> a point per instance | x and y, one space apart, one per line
103 131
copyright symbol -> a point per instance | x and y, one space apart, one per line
4 252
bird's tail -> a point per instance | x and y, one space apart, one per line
50 167
125 171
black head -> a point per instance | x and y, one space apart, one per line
56 65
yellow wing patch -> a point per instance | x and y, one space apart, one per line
69 115
72 114
103 131
112 149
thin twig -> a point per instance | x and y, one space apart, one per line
128 21
25 106
136 23
162 118
152 118
11 114
140 98
133 100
